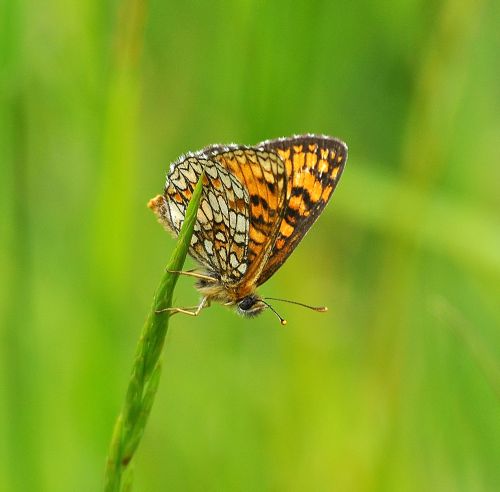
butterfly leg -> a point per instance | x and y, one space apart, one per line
192 273
191 311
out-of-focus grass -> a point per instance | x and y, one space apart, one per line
396 388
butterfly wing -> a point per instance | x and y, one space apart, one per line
257 203
314 165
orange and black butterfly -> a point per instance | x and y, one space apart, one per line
257 204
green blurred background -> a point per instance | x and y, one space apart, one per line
397 387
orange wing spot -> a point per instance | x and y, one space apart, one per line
340 158
177 197
286 229
218 245
324 153
311 159
315 193
241 206
284 154
335 171
280 243
326 193
298 148
258 211
294 202
323 166
313 148
298 160
332 154
237 250
257 236
309 181
217 183
257 171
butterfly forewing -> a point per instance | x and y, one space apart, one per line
313 166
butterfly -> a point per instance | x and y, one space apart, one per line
257 204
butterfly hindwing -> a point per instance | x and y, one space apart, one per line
220 236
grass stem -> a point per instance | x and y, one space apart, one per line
146 370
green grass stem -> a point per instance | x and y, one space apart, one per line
145 376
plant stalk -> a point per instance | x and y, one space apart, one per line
146 369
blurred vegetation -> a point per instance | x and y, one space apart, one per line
396 388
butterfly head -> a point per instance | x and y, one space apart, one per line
252 305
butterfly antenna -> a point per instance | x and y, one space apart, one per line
282 321
319 309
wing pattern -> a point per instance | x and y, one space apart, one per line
314 165
243 194
257 203
220 235
263 174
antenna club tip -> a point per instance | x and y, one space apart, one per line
323 309
283 322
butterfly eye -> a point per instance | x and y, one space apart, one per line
247 303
